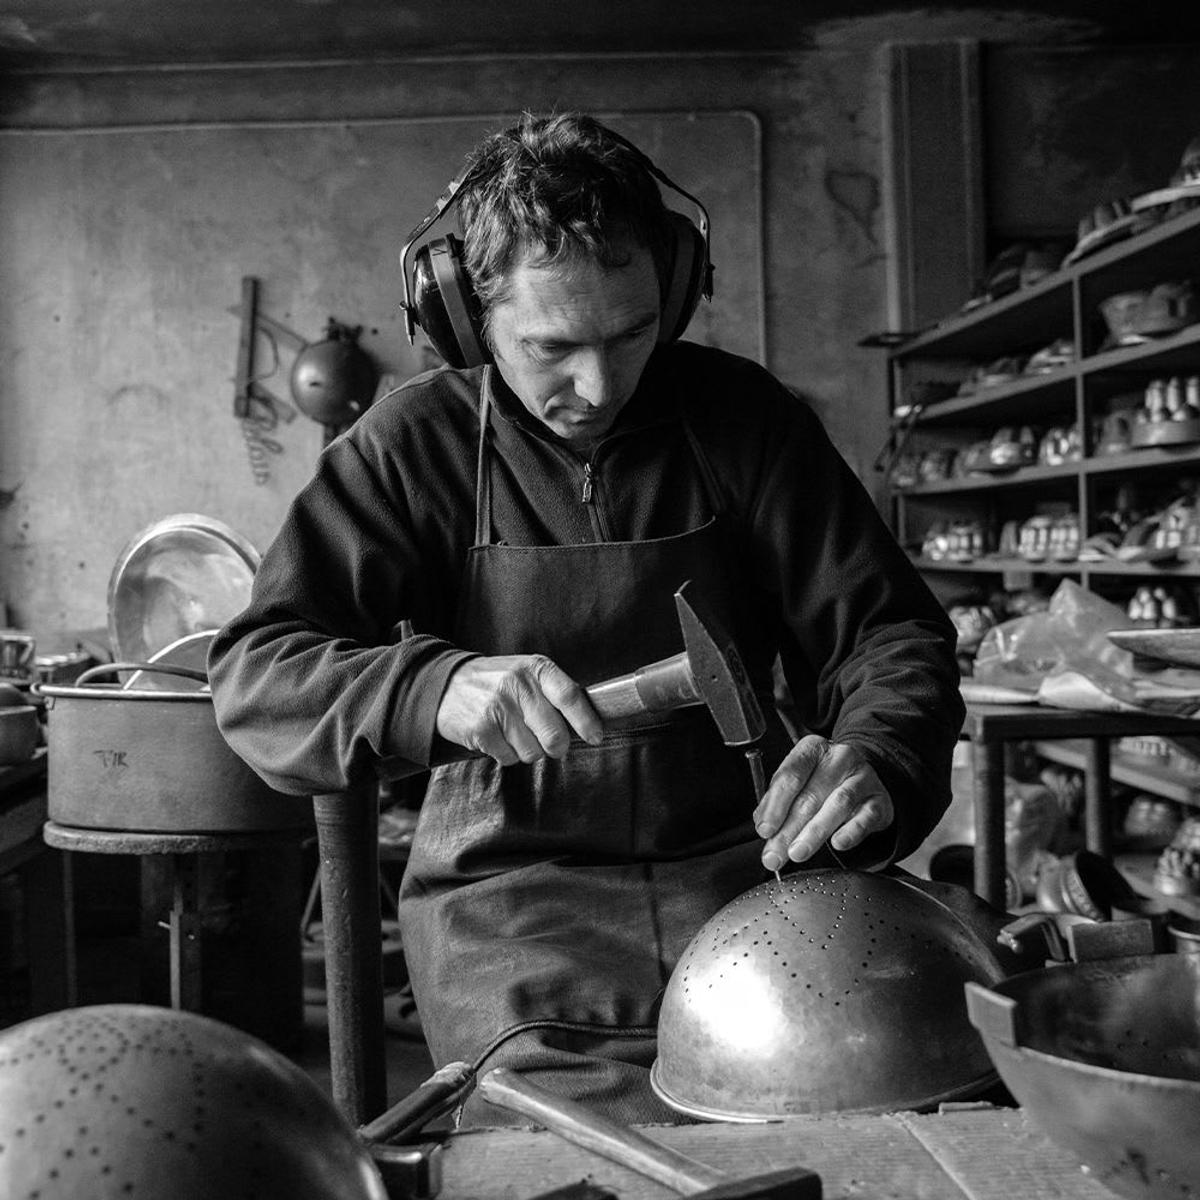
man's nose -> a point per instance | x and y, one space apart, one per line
595 378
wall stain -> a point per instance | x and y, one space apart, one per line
143 394
856 193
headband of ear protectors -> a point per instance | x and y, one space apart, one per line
439 297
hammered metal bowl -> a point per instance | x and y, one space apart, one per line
831 991
1104 1057
133 1100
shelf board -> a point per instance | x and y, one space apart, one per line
1039 397
1126 769
1169 569
1173 353
1137 459
996 566
1141 458
986 483
1028 397
1146 258
1035 315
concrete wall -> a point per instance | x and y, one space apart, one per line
131 204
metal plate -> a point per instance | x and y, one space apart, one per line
190 651
183 575
974 692
1180 647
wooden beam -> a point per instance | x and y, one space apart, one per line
933 180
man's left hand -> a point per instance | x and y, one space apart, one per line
822 792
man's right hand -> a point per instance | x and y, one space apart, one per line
516 708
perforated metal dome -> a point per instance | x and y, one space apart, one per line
134 1101
830 991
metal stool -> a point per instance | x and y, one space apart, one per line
283 1015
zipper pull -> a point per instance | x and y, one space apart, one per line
587 483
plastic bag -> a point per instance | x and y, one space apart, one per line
1069 638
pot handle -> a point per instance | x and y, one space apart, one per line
158 668
992 1014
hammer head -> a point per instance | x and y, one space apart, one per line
718 671
792 1183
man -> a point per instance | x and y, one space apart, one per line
532 518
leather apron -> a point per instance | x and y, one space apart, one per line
568 889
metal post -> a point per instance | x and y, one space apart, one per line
989 821
348 845
1098 797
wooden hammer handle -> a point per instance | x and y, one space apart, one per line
577 1124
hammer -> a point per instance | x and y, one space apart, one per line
707 671
574 1122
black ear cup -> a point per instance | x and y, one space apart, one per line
439 297
687 278
445 303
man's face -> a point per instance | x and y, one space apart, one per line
571 341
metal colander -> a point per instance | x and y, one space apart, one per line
135 1101
831 991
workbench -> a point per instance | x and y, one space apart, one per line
990 726
967 1153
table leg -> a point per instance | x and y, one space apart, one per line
50 931
1098 797
183 925
348 845
989 820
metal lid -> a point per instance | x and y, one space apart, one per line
183 575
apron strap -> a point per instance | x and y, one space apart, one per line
483 477
716 494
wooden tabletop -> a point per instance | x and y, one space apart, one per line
967 1153
998 722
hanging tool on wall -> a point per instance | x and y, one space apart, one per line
332 380
257 410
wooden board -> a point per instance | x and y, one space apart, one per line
972 1154
996 1154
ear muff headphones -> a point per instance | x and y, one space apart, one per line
439 297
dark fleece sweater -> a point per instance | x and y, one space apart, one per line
313 681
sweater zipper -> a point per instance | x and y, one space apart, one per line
589 495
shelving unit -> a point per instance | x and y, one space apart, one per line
1063 305
1137 773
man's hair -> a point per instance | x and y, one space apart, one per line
561 188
